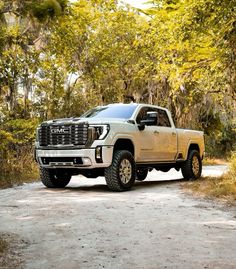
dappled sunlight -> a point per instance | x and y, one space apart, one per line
64 224
60 58
87 220
25 218
214 170
221 223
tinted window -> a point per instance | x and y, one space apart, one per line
163 119
142 115
116 111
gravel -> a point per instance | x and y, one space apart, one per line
154 226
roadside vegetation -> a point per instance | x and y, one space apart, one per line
19 170
16 152
10 251
59 58
215 161
223 187
4 249
3 246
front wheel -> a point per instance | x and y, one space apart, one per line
192 167
53 179
120 175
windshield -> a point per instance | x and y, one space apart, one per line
114 111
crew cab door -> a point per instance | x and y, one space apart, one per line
157 142
145 145
165 138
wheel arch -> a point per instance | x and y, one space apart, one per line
124 144
193 146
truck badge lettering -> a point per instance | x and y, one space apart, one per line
65 130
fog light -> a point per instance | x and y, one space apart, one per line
77 160
87 162
98 154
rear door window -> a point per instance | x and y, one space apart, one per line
163 119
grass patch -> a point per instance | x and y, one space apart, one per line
18 171
214 161
3 246
11 247
214 187
223 187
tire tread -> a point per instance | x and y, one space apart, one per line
49 180
111 172
186 167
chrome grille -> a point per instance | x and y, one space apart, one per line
67 134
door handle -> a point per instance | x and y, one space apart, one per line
156 132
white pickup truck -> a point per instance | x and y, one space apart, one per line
119 141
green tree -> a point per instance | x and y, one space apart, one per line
22 24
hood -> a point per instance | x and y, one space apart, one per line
85 120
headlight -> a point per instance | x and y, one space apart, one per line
101 131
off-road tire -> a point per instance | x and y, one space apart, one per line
51 179
141 174
112 173
192 168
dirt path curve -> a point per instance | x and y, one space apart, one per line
156 225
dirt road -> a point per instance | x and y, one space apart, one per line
154 226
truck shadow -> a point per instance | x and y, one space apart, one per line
137 186
155 183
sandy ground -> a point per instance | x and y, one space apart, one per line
154 226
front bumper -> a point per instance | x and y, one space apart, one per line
74 158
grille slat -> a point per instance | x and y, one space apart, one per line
74 134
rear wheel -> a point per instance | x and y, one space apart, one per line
120 175
192 167
54 179
141 174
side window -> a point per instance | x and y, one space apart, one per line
163 119
142 115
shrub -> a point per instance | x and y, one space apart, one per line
220 187
16 152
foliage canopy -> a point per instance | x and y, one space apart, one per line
59 58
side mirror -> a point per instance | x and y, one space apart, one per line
151 119
141 126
